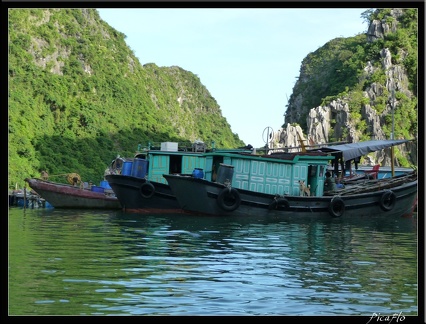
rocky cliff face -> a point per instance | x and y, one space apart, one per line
336 116
379 28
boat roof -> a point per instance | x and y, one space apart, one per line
189 152
351 151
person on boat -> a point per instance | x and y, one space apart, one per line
348 167
214 173
329 183
356 161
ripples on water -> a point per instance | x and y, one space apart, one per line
64 262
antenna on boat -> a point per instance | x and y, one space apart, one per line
269 131
393 119
393 131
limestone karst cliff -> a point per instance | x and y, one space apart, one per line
351 89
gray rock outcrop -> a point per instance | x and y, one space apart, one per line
335 119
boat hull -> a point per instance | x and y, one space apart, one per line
68 196
201 196
138 195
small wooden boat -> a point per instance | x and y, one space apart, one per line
61 195
383 172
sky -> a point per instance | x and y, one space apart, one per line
248 59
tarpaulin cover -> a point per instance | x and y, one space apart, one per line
353 150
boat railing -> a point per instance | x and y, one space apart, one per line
296 149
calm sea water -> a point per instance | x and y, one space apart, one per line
76 262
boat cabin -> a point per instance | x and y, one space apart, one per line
272 174
276 173
171 159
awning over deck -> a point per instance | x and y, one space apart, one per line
354 150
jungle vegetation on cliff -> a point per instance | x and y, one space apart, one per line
78 97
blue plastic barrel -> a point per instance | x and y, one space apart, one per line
105 184
198 173
97 189
127 168
139 168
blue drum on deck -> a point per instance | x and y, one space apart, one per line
198 173
127 168
105 184
98 189
139 168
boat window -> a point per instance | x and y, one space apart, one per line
312 170
175 164
321 170
217 160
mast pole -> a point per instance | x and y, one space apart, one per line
392 134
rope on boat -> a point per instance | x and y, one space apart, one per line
72 178
57 175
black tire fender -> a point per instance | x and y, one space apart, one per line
387 200
229 199
147 190
336 207
279 202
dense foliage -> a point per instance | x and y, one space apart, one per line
78 97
